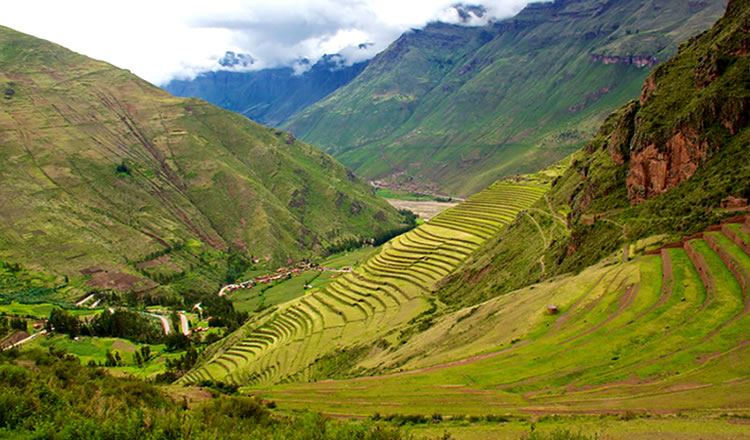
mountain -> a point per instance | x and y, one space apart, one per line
103 171
662 167
453 108
268 96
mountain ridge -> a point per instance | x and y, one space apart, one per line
103 168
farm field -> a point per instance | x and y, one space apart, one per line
380 302
89 349
662 334
40 311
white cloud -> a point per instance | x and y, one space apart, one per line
164 39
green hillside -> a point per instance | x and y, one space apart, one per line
107 176
453 108
658 170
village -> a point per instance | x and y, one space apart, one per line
282 273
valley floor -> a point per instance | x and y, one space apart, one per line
425 210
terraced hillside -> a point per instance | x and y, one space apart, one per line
373 303
663 333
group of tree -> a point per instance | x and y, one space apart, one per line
52 398
119 324
9 324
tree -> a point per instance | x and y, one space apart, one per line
111 361
18 324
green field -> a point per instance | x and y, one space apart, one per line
40 311
388 193
89 349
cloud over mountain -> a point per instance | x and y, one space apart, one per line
178 39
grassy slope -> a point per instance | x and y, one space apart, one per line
505 99
196 173
594 185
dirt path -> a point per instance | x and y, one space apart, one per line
554 213
541 231
164 323
184 324
544 240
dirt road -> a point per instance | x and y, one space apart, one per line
184 324
164 322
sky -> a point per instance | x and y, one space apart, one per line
160 40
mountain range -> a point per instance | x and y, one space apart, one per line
102 170
450 108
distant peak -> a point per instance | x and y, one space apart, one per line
469 13
239 60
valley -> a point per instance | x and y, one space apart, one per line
540 230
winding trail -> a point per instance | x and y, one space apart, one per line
184 324
554 213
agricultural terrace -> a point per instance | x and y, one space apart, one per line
664 333
371 303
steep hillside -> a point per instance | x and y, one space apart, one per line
665 165
453 107
664 335
269 96
102 171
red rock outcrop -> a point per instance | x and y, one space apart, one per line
654 171
734 203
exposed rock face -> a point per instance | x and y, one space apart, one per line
734 203
653 172
630 60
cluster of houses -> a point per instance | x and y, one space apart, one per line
280 274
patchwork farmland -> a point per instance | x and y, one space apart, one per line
368 304
661 334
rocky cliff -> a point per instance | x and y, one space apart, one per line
688 109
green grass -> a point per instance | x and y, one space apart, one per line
272 294
95 349
388 193
39 311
